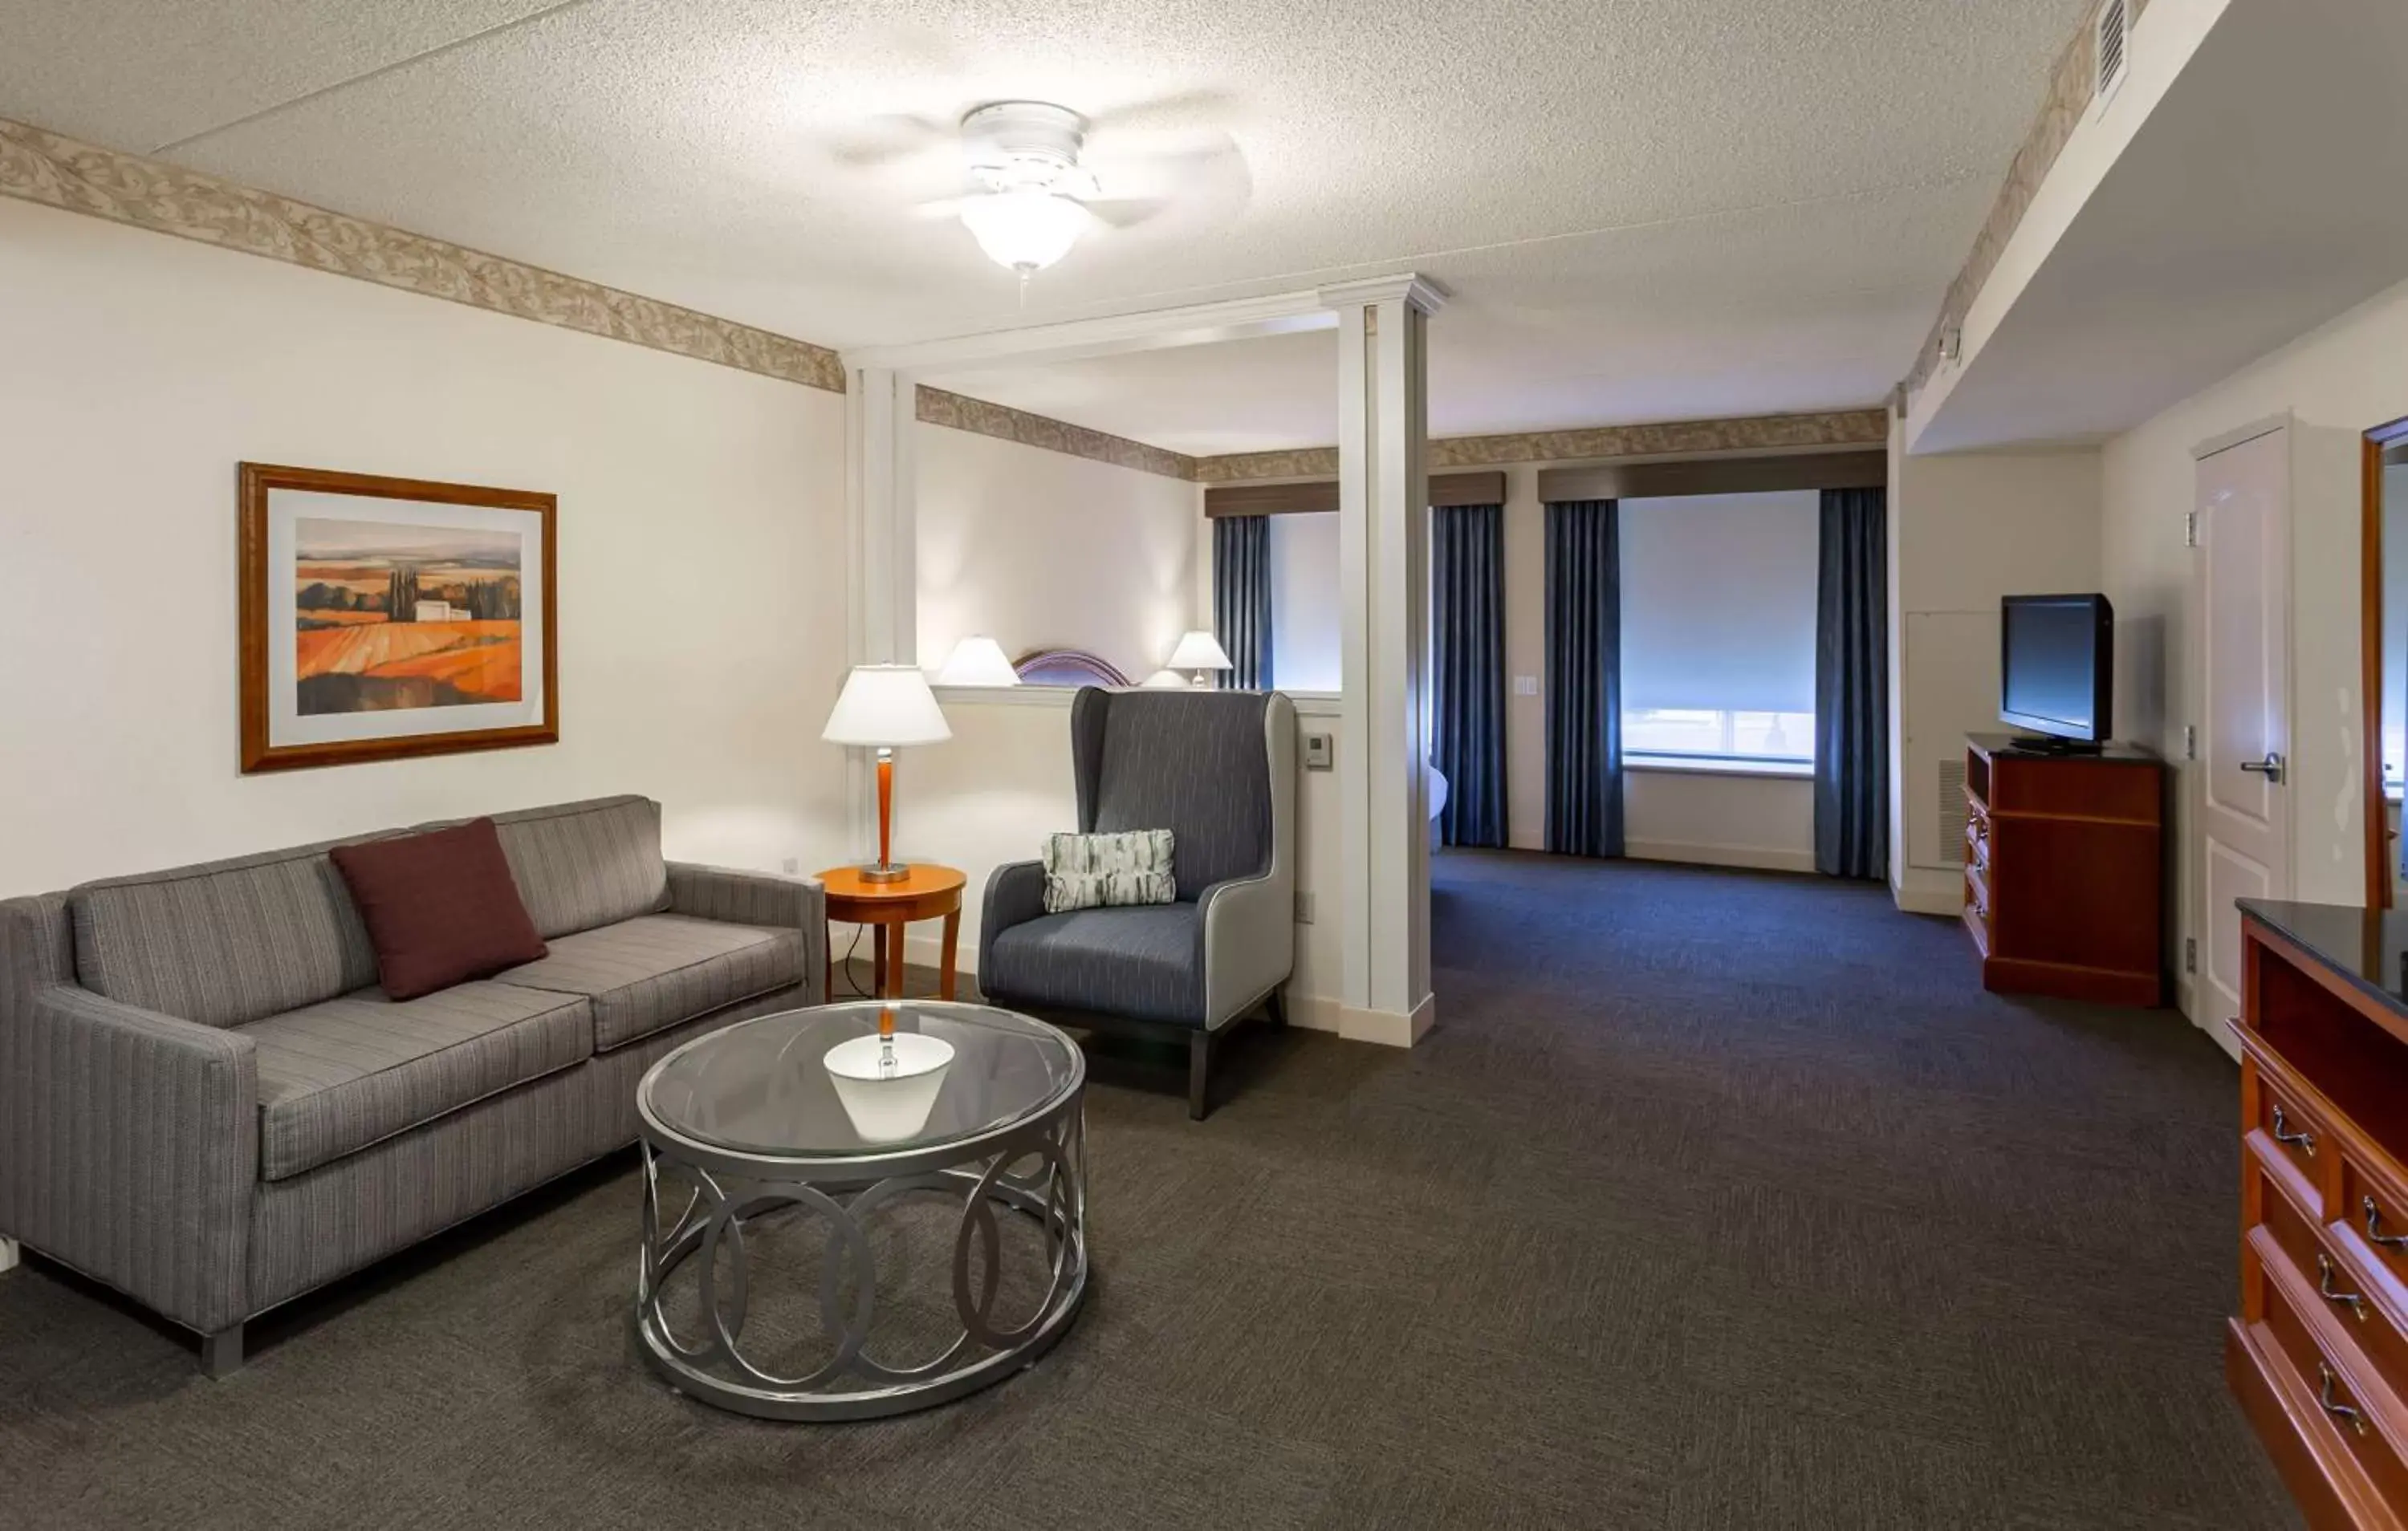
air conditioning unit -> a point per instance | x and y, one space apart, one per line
1950 805
2110 32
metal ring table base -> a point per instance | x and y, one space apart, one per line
714 1370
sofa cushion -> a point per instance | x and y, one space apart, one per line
658 969
440 906
1145 962
340 1075
580 866
225 941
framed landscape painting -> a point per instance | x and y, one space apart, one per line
389 618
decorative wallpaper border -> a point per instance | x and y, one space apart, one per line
61 172
960 413
1759 433
2068 101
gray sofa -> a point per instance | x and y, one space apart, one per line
206 1103
1218 770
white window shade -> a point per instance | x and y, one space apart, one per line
1718 595
1305 605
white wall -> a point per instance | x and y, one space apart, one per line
2336 383
1719 821
1042 549
1304 610
702 601
1965 530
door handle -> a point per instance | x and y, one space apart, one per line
2271 767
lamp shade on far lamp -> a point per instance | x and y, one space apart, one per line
978 661
1201 652
883 707
1164 681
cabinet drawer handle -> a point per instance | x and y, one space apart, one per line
2351 1301
2341 1411
2374 1222
2303 1140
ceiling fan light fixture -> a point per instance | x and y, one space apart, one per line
1024 229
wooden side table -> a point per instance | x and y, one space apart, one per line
931 891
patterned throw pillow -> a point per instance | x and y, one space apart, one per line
1092 871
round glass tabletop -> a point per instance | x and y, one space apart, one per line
765 1085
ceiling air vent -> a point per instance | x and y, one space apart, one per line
2112 32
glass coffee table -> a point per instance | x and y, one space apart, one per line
806 1216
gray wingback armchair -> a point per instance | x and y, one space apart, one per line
1217 768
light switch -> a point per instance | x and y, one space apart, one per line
1525 685
1318 753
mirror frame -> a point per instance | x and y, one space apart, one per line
2379 442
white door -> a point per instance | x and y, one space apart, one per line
2242 589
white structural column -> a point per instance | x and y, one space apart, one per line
882 536
882 529
1384 564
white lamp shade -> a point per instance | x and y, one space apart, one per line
1199 650
978 661
886 705
1164 680
1026 229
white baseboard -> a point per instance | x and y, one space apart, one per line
1762 858
1388 1028
1929 891
10 1253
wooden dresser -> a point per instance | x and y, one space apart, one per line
2065 871
2318 1355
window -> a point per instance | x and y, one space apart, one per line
1305 609
1718 595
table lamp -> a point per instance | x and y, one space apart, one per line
1199 651
978 661
883 707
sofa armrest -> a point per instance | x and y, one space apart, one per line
757 898
129 1149
1015 895
1249 934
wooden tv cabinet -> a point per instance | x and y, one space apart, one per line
2319 1355
2065 871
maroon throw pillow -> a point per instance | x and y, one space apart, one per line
441 907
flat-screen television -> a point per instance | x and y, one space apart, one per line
2056 666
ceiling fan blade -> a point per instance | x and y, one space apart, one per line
891 138
1125 212
942 208
1178 109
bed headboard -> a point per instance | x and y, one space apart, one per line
1065 667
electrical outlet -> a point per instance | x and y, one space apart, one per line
2190 953
792 865
2190 741
1303 907
1525 685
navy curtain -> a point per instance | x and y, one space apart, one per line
1241 599
1584 679
1468 640
1852 687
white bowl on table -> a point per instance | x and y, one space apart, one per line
887 1107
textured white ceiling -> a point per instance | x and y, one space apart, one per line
1647 207
1802 307
2256 202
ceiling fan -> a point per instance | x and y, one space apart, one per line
1030 194
1032 198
